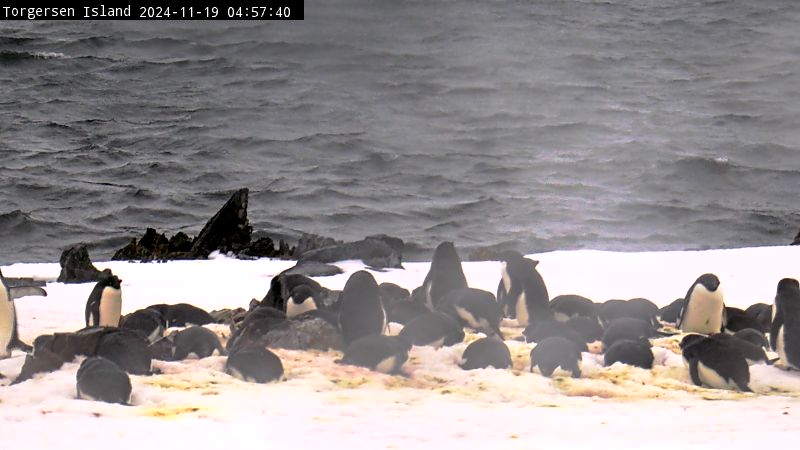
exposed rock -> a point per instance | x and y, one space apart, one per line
314 269
377 251
796 240
310 241
228 316
305 333
76 267
228 230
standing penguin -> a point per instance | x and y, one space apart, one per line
9 339
704 310
361 312
522 291
444 275
784 334
104 306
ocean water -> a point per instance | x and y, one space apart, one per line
554 124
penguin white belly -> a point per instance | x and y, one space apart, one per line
711 378
386 365
781 350
110 307
506 277
6 324
703 312
467 317
522 310
293 309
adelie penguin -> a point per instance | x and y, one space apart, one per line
433 329
475 308
554 352
100 379
486 352
704 309
522 291
9 338
301 299
255 365
444 275
784 335
385 354
361 312
104 306
716 363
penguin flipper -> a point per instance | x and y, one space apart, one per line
694 373
777 323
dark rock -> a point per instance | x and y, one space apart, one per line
261 248
306 333
314 269
375 251
255 326
796 240
228 230
391 293
155 246
181 242
76 267
309 242
228 316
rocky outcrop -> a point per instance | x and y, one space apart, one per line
796 240
378 251
77 267
227 231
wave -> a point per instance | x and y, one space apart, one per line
12 56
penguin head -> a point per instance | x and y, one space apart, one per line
300 300
109 279
690 340
788 284
708 281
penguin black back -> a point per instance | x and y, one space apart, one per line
444 275
101 379
361 312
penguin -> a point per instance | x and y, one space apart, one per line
485 352
474 308
554 352
255 326
738 319
301 300
104 305
183 315
254 364
704 309
588 327
753 336
762 313
672 312
281 287
631 352
100 379
784 335
405 311
716 363
444 275
391 293
9 336
638 308
626 328
378 352
129 349
361 312
148 321
565 307
433 329
521 290
551 327
198 341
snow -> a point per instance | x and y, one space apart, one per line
438 405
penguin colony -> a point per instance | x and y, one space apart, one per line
718 344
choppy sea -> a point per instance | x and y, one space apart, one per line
539 125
